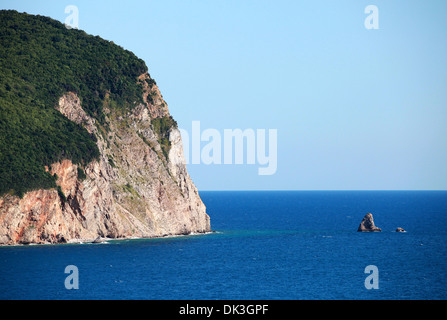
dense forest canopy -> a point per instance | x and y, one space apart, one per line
40 60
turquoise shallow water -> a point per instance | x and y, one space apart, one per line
268 245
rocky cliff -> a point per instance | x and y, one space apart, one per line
139 186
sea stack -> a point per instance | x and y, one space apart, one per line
367 224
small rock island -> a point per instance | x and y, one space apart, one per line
367 224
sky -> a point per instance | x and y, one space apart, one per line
353 108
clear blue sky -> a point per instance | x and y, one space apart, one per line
355 109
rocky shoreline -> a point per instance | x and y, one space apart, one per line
89 241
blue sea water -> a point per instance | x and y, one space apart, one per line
268 245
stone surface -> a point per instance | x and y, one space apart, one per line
132 191
98 240
367 224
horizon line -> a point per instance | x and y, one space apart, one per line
325 190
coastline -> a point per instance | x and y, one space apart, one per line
107 240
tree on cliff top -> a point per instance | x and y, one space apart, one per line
41 60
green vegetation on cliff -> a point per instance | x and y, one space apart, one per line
40 60
161 127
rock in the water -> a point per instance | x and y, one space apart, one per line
400 230
97 240
367 224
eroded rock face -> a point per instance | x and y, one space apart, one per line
367 224
132 190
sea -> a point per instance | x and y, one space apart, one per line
266 245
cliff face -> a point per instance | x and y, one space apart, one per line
139 187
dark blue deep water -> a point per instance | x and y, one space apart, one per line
268 245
